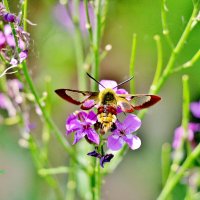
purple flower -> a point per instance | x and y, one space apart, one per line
2 9
2 40
103 158
14 87
193 128
6 104
195 109
9 17
81 123
123 134
113 85
65 15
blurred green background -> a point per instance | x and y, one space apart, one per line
52 54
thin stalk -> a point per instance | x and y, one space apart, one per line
186 105
159 62
89 25
189 63
71 183
82 84
103 15
179 174
132 63
53 171
97 191
166 161
25 14
175 52
3 84
96 43
185 120
166 31
37 161
97 176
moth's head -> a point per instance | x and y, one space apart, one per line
107 95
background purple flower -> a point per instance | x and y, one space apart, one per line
195 109
193 128
65 15
81 123
113 85
123 134
7 105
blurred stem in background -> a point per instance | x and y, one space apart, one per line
132 63
45 113
177 172
161 77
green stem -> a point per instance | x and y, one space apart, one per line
38 163
52 171
166 161
132 63
159 62
166 31
97 176
89 25
98 181
175 52
25 14
82 84
48 120
96 43
189 63
185 119
186 105
179 174
71 183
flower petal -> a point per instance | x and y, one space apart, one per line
131 123
92 117
94 154
92 135
88 104
194 127
115 142
179 134
121 91
72 124
78 136
106 158
195 109
133 141
108 84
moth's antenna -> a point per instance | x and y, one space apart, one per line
95 80
124 82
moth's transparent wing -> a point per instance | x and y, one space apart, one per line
137 102
86 99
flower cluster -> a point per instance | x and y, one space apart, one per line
8 45
13 109
84 125
193 129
